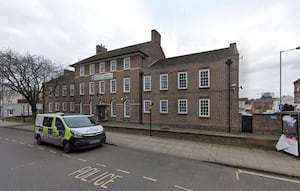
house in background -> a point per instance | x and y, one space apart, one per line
297 94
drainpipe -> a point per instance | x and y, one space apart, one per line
228 63
141 96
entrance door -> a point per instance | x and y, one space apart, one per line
247 124
102 112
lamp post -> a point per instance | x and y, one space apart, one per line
282 51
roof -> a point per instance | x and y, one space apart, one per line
196 57
137 48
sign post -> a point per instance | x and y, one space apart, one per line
150 109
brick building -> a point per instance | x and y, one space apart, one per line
196 90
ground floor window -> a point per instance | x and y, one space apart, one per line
126 108
182 106
113 109
163 108
146 106
204 108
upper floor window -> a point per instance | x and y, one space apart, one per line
64 90
64 106
182 80
92 88
50 91
102 67
163 82
92 69
113 86
147 83
204 81
126 84
72 90
182 106
113 65
101 87
56 106
81 71
81 89
126 63
57 91
204 108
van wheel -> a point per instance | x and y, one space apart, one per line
39 140
67 147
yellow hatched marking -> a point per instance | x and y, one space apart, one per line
123 171
65 155
80 159
102 165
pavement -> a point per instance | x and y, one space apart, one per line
251 158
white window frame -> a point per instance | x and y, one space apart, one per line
92 69
50 107
72 106
64 90
113 109
179 85
57 91
146 104
102 67
91 88
161 82
81 89
81 71
147 83
126 109
203 113
113 89
57 108
204 77
180 111
72 90
101 87
126 63
64 106
126 85
113 65
161 102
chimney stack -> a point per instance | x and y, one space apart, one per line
155 36
100 49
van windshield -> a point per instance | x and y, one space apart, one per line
78 122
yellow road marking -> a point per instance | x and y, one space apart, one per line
237 175
149 178
268 176
124 171
29 145
41 148
102 165
22 143
54 152
80 159
182 188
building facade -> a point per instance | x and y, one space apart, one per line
197 90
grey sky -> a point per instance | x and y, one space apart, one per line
68 30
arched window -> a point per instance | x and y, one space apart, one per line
113 109
126 108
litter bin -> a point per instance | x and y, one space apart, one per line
289 140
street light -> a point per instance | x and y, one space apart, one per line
297 48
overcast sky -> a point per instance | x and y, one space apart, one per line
67 30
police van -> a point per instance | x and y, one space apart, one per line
71 132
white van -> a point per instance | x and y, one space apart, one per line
71 132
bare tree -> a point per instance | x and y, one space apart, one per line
27 74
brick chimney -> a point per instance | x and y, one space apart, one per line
100 49
155 36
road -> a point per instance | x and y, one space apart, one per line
27 166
